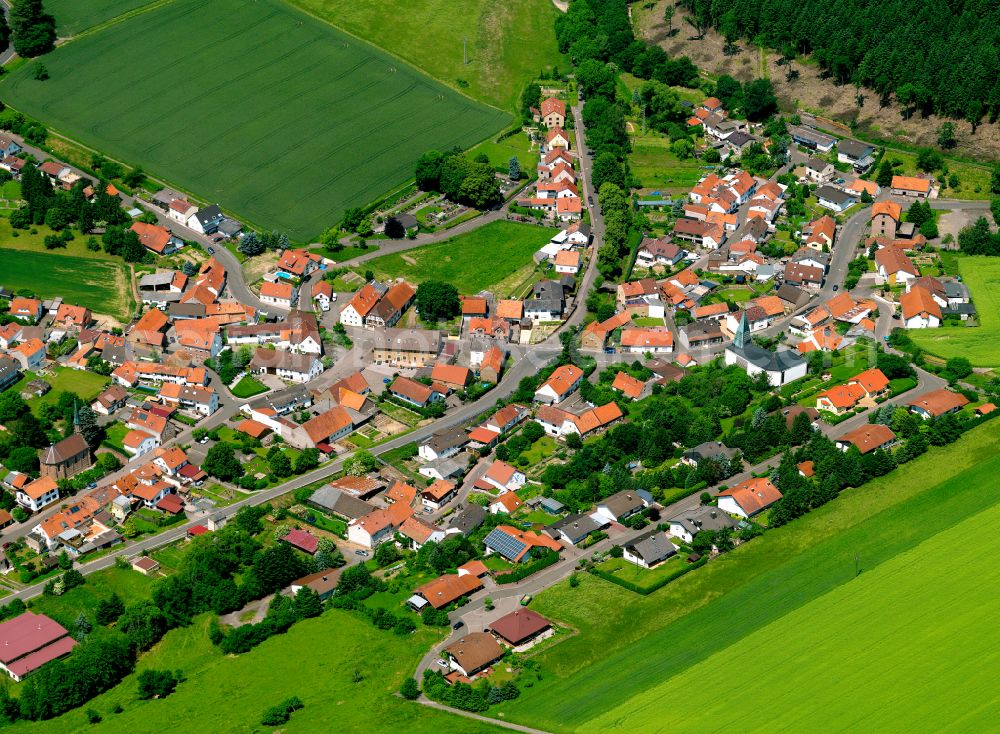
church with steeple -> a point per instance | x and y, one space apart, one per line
781 367
67 457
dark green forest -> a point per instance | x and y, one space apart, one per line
936 56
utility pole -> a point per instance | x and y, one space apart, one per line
465 51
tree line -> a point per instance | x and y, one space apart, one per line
463 181
935 57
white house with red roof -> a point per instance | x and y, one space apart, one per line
504 477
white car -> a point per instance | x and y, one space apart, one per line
333 297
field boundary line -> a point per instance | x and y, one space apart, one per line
395 56
152 5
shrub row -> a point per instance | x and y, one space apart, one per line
646 590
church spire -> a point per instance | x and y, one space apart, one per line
76 417
740 338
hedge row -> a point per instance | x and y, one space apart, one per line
646 590
522 572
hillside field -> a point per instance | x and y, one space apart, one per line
629 645
315 660
981 345
509 41
876 652
472 262
74 16
100 285
281 118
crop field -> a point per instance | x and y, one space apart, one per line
316 660
865 654
509 41
281 118
981 345
74 16
628 644
100 285
472 261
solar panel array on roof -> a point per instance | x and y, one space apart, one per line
510 548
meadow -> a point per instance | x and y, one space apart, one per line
973 178
74 16
87 385
628 644
655 165
981 345
472 262
509 41
279 117
876 650
317 660
100 285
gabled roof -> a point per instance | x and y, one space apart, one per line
563 379
868 437
911 183
917 301
753 495
889 208
628 385
939 402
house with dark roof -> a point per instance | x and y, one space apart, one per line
473 653
620 506
521 628
688 524
780 367
649 549
576 528
29 641
65 458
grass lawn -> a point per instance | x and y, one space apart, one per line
130 585
73 16
100 285
653 163
540 449
501 153
471 262
869 634
87 385
509 42
353 119
637 575
115 433
980 344
644 641
648 321
248 387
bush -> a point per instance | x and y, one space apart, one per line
410 690
280 714
157 683
526 569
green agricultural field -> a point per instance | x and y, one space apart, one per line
473 261
100 285
73 16
509 41
653 163
874 633
645 641
316 660
281 118
980 344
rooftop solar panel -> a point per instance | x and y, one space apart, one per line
504 544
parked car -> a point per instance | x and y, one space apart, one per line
835 286
443 663
211 250
526 600
361 553
458 625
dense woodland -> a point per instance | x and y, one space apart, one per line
934 56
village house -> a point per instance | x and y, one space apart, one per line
438 494
937 403
867 438
919 309
886 216
521 628
894 267
278 294
517 546
702 518
201 400
656 340
649 549
406 347
37 494
473 654
860 155
504 477
286 365
911 186
553 113
560 423
835 199
416 393
506 504
748 498
819 170
563 381
621 506
299 263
